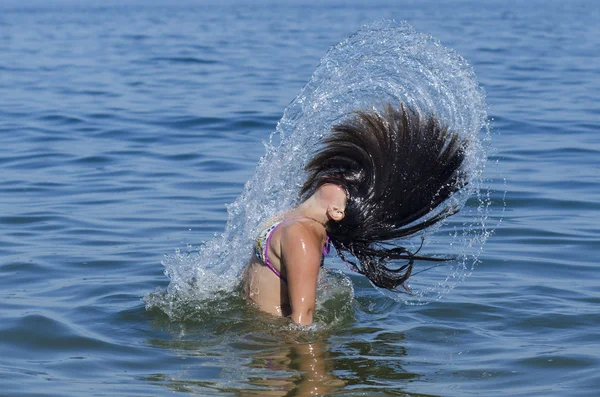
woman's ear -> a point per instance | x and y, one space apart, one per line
335 213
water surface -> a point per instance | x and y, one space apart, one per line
126 128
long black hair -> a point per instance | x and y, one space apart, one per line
398 168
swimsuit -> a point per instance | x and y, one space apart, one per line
261 248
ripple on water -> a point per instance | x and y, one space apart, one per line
60 337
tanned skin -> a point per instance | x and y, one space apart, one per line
295 250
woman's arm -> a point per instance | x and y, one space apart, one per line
301 256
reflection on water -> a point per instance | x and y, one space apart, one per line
249 353
303 369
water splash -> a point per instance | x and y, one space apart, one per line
381 63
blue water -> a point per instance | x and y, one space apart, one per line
126 128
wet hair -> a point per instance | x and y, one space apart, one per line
398 168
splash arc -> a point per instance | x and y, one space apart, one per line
381 63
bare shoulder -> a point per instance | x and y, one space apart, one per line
300 231
301 240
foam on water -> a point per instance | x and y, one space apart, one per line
382 63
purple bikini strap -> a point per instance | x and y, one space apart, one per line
326 248
267 245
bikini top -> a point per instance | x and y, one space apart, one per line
261 248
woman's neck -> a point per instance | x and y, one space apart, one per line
311 209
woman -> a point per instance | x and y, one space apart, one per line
378 177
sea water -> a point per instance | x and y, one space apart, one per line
129 133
